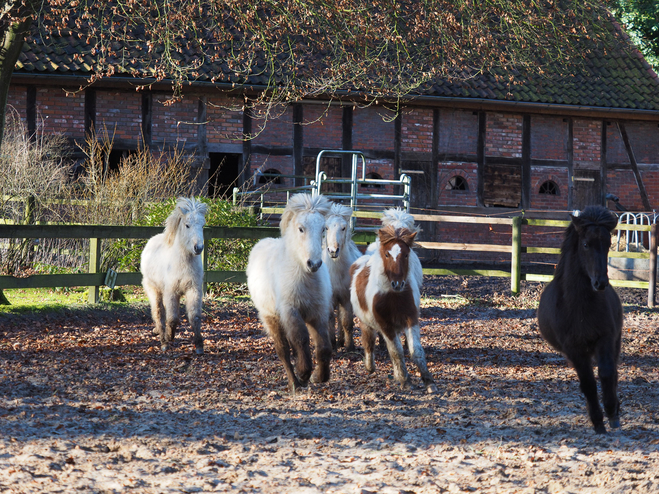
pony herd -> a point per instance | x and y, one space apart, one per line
301 281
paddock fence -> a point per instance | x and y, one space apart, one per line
94 279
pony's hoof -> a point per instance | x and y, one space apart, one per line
431 389
599 429
199 350
164 347
614 423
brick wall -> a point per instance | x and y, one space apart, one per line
458 131
370 130
175 124
16 103
273 131
61 113
323 126
503 135
468 171
225 121
587 143
549 136
417 131
559 176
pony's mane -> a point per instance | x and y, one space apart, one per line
299 203
388 234
184 205
399 218
589 217
340 210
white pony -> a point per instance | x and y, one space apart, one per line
171 267
398 218
291 289
339 254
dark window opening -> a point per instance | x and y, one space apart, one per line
224 174
115 157
270 176
373 176
457 183
550 188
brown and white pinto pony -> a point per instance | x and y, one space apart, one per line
385 296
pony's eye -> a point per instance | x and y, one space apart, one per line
343 229
187 226
585 244
301 229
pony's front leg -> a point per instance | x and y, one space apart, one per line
297 335
368 341
346 320
193 303
157 307
413 337
332 330
172 307
608 372
395 349
582 364
283 349
321 341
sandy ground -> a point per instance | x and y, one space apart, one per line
89 403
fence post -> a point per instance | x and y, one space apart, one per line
204 262
652 275
94 261
516 256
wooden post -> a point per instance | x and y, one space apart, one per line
94 261
652 275
516 256
204 262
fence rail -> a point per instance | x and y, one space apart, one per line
95 279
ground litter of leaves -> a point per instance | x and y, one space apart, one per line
89 403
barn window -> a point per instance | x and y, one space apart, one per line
457 183
372 175
548 187
270 176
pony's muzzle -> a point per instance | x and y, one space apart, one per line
398 285
198 248
314 265
599 284
334 253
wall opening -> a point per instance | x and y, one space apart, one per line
549 188
457 183
224 174
374 176
270 176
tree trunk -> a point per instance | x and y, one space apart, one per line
12 43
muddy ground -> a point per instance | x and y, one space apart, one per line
88 403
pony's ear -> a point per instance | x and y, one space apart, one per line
409 237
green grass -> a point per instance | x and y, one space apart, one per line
57 299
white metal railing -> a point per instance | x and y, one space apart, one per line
635 237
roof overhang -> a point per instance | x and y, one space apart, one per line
345 97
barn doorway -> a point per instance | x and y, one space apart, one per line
224 174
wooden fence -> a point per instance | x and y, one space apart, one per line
95 279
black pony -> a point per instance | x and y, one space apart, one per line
580 315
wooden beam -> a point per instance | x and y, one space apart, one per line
632 160
526 162
480 160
